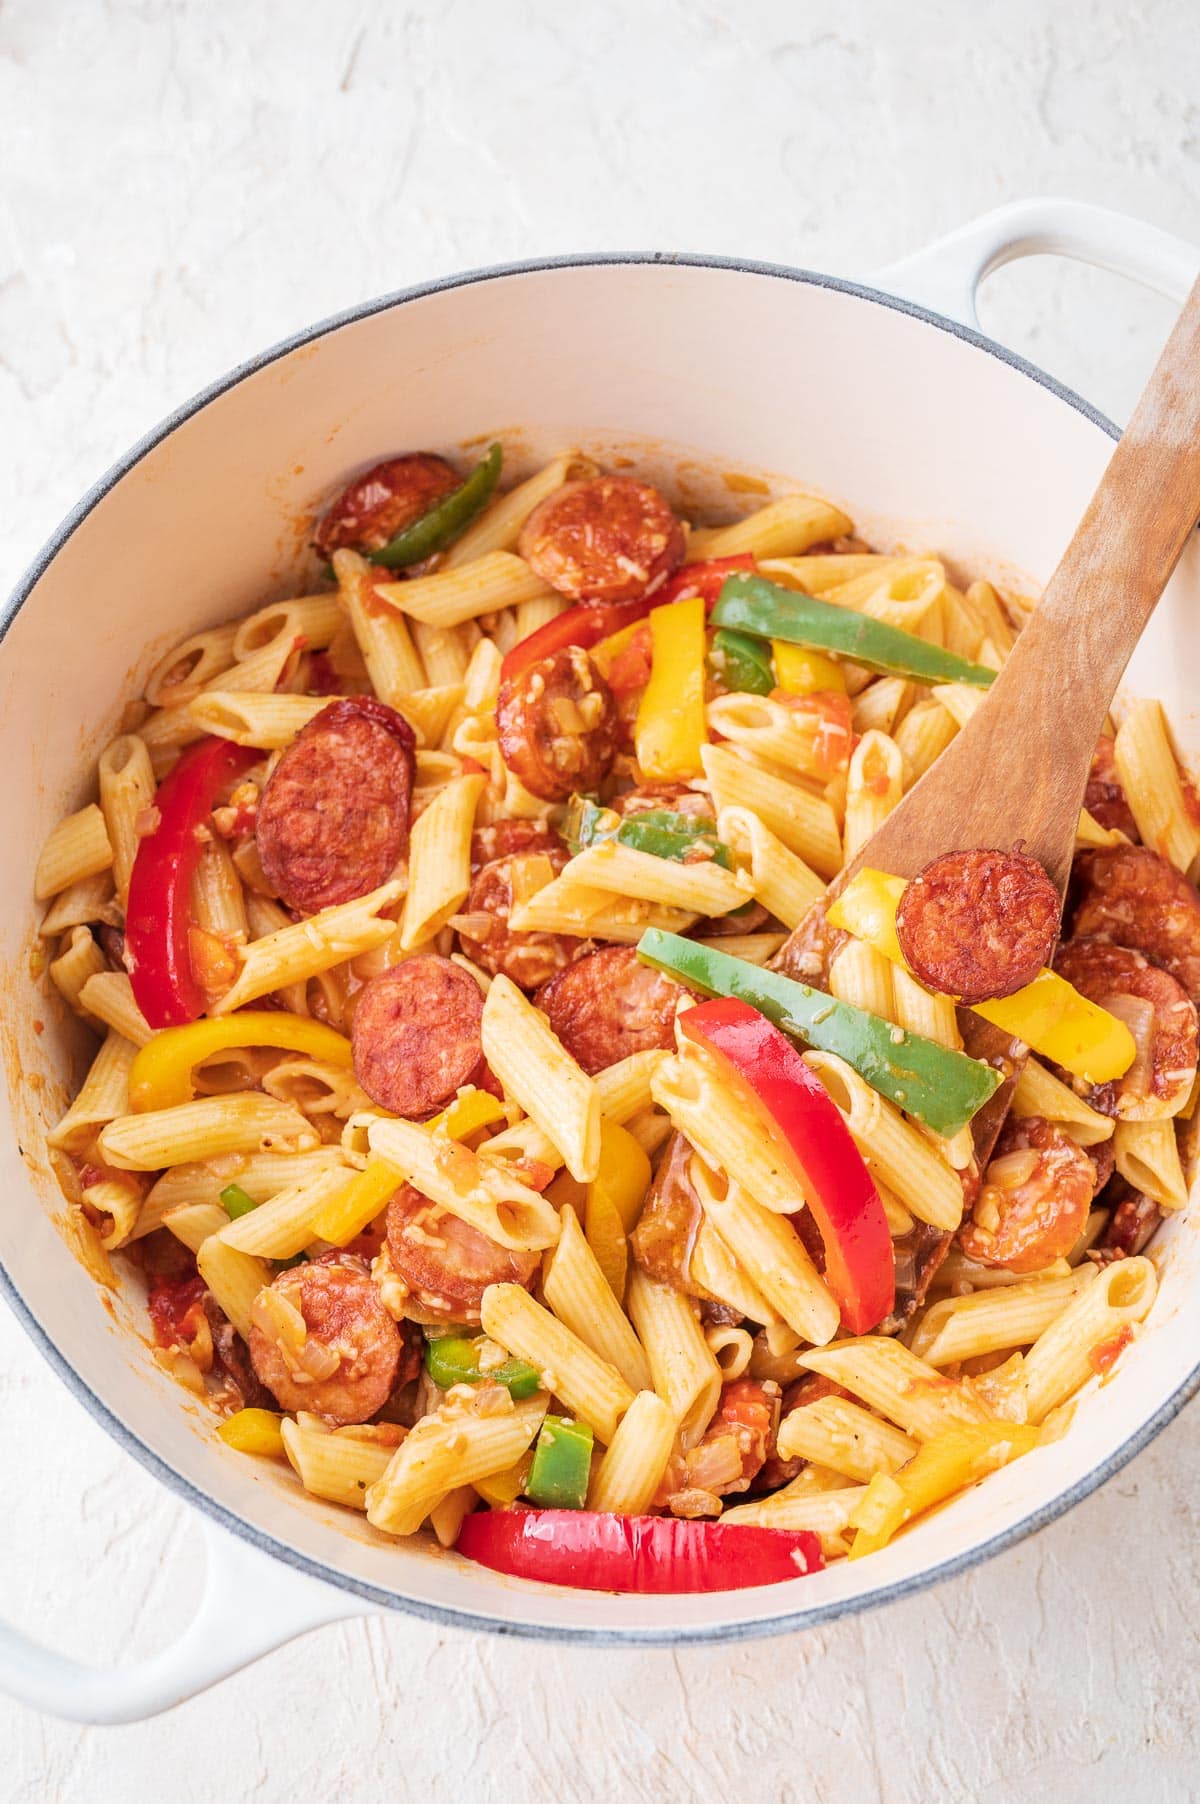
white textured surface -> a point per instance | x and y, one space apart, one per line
185 183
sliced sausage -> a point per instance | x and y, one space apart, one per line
674 798
416 1034
344 1314
530 959
557 725
503 839
606 539
1104 798
810 1387
976 925
446 1263
666 1231
333 818
1158 1012
1130 1226
1104 1162
608 1005
1129 895
811 948
1005 1054
917 1255
382 502
1035 1198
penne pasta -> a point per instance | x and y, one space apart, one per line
440 861
79 847
464 591
588 1384
783 529
538 1072
633 1467
126 792
805 823
686 1375
577 1291
204 1129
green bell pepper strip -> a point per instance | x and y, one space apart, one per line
662 832
932 1083
741 663
235 1202
454 1359
750 604
446 520
562 1464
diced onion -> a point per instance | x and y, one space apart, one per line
1138 1016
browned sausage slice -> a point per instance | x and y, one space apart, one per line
1035 1198
1160 1016
333 818
1130 1226
676 798
446 1263
416 1034
557 725
529 959
1131 896
606 539
1104 797
666 1231
383 501
608 1006
348 1329
503 839
976 925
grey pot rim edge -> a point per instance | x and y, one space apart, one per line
218 1512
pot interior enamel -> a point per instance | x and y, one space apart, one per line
927 438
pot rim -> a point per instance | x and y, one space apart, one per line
160 1468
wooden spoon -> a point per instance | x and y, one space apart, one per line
1018 769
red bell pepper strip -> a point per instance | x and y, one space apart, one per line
595 1551
158 917
592 621
859 1267
705 579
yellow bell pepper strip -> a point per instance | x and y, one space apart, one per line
961 1456
670 725
161 1074
1049 1014
613 1201
355 1207
562 1464
501 1489
750 604
932 1083
624 1175
799 671
254 1431
605 654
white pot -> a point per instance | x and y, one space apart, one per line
919 426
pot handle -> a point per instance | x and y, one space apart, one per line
251 1603
945 276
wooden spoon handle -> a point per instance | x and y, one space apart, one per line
1018 769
